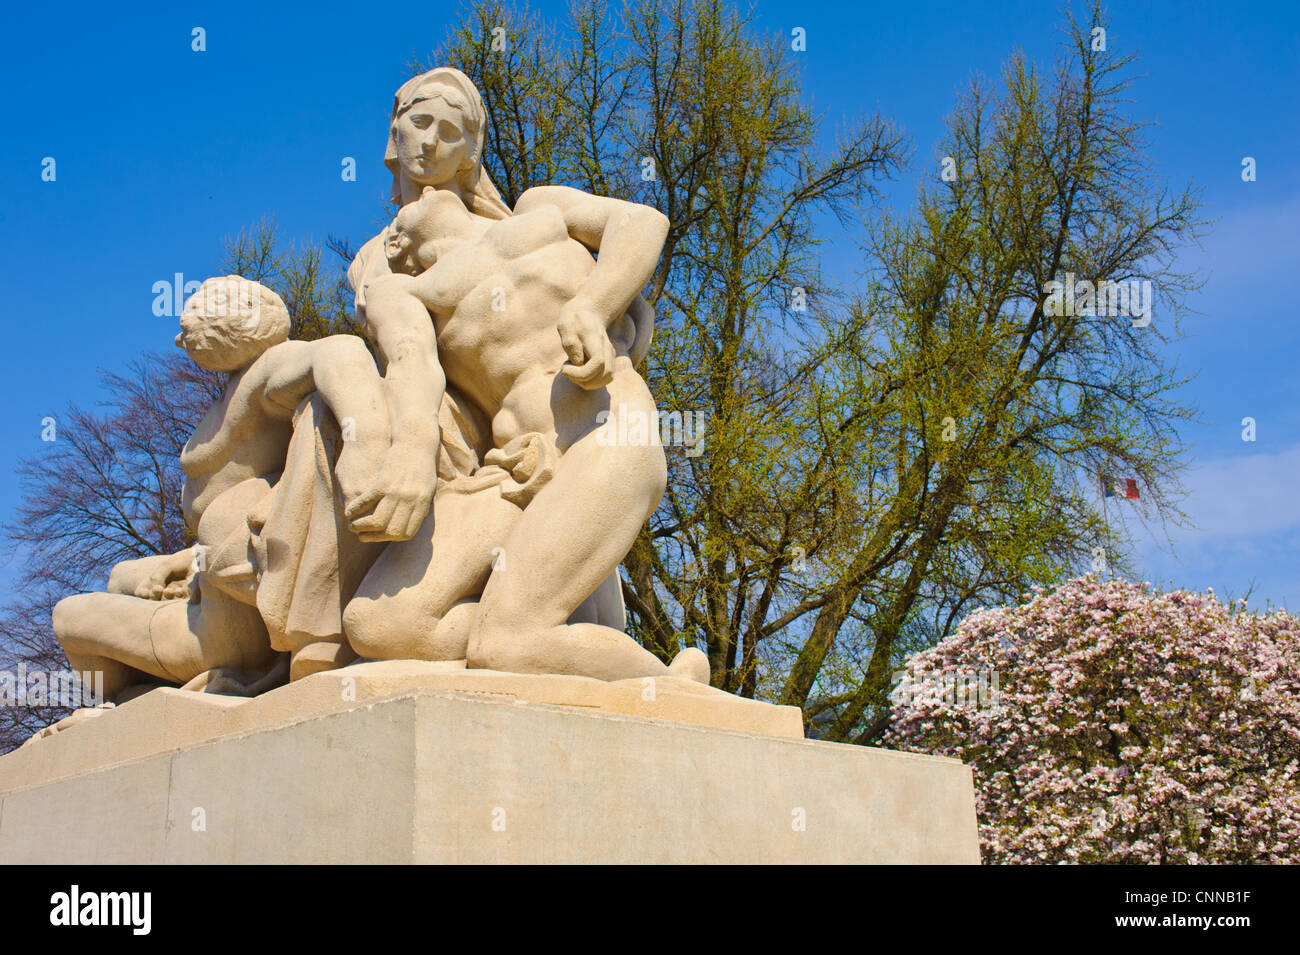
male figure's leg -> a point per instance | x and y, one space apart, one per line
416 601
568 542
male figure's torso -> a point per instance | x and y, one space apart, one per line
495 302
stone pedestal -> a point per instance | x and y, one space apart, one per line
411 762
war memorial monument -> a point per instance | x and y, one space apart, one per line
400 634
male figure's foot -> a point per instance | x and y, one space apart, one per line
692 664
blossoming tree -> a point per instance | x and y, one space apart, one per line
1119 725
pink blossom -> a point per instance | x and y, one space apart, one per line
1131 726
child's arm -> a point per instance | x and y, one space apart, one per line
271 388
342 372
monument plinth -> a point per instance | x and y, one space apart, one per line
409 762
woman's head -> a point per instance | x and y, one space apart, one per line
435 138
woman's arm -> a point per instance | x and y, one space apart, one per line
370 263
341 371
397 502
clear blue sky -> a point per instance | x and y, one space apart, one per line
162 151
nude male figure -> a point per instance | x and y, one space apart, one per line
524 324
421 597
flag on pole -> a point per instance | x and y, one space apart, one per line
1110 487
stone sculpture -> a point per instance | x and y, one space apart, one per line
270 562
473 503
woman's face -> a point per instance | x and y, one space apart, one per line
432 145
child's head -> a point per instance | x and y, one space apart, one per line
437 214
229 321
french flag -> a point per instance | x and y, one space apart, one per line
1110 487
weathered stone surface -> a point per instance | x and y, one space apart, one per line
445 775
168 719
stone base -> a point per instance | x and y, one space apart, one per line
418 762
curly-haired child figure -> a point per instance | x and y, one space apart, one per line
299 427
